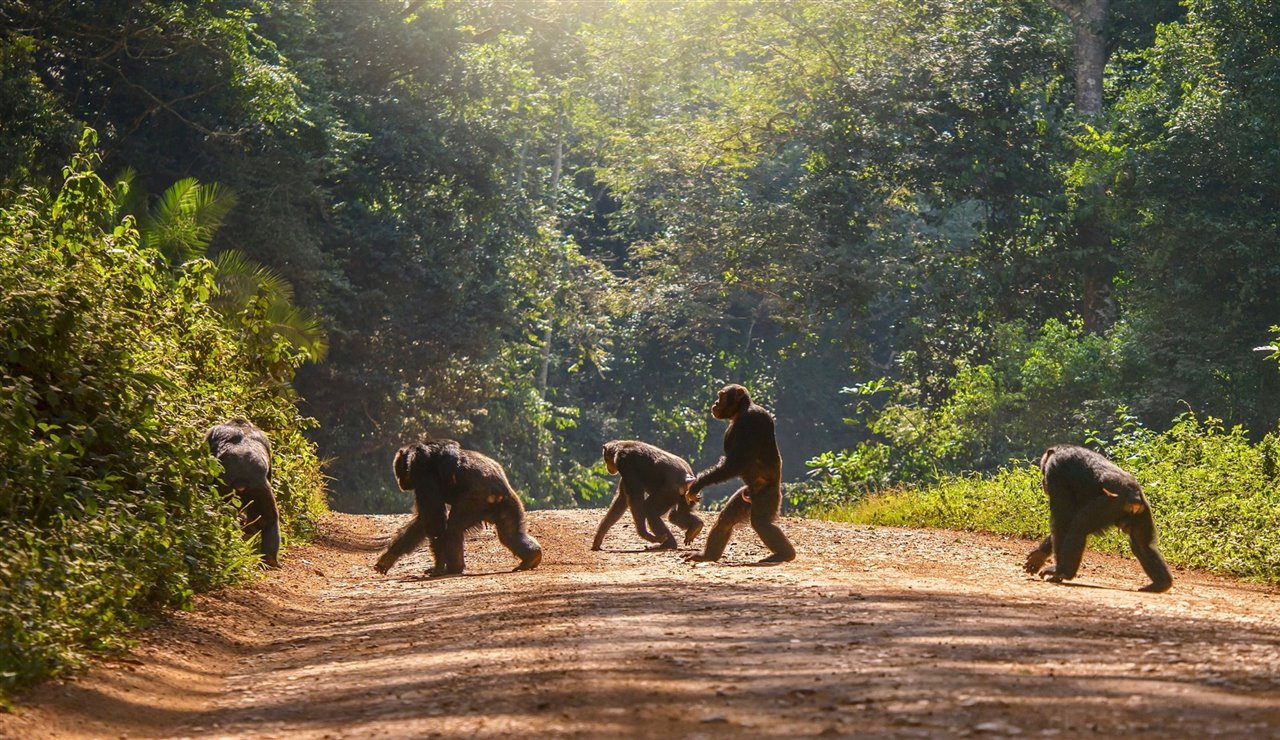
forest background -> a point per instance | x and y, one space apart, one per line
932 237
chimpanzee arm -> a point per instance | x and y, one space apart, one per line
428 521
741 448
1037 557
405 541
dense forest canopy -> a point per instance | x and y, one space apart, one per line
536 225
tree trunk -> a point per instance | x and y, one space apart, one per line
556 168
1088 24
1093 238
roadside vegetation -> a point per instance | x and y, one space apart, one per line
1215 496
113 363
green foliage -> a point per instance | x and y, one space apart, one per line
1037 388
111 368
533 226
1215 496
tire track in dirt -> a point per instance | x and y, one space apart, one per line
880 632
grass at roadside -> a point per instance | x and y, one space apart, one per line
1215 496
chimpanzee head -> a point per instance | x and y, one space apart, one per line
404 463
610 463
733 400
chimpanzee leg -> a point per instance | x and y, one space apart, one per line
655 506
467 514
434 516
1068 550
260 509
1142 538
736 511
683 517
766 503
270 527
508 519
636 500
611 516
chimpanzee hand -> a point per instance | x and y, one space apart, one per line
384 563
1035 561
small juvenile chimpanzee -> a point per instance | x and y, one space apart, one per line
475 489
750 453
245 454
653 482
1088 493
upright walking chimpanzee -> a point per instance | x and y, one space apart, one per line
1088 493
475 489
653 482
750 453
245 454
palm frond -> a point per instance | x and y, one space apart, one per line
240 280
185 217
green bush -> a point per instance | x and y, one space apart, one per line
1215 496
111 367
1040 386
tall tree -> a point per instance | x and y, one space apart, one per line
1092 250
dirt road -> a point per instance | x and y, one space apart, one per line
872 632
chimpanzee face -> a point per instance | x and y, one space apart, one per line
731 401
404 456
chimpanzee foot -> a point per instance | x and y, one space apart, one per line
780 557
692 534
698 557
1156 588
1053 576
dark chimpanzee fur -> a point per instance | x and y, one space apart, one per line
750 453
475 489
653 482
1088 493
245 454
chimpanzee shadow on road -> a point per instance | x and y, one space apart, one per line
1077 584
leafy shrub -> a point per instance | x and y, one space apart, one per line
1039 387
111 367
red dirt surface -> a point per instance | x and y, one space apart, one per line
872 632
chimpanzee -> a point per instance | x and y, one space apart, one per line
245 454
750 453
653 482
476 491
1088 493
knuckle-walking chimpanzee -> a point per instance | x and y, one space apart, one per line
1088 493
455 491
652 483
750 453
245 454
